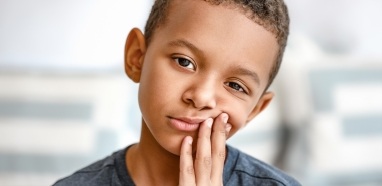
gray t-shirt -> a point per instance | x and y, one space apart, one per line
239 169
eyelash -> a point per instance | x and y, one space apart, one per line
180 60
237 87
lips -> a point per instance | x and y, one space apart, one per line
185 124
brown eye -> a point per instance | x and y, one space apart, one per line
235 86
185 63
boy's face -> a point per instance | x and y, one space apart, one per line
205 60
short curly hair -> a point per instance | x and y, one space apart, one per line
271 14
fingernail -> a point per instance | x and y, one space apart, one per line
228 127
209 122
189 140
225 118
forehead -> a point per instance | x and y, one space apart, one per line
222 32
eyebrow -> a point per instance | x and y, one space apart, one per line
246 72
187 44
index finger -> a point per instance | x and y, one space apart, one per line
203 154
186 172
218 142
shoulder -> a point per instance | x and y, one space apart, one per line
102 172
243 169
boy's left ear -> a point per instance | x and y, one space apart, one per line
261 105
135 49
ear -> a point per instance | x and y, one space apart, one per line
263 102
135 49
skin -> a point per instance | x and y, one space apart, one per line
207 66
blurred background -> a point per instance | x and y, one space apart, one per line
65 101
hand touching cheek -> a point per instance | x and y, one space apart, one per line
207 166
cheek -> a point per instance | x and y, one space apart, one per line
237 124
149 89
237 117
156 89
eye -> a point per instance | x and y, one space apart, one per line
185 63
236 87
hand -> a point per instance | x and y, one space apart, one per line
207 169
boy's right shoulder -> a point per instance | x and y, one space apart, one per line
107 171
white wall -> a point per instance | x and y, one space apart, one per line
67 34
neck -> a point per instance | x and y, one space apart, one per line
149 164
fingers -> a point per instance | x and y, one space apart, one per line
203 154
186 175
210 154
219 134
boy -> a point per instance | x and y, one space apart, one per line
204 68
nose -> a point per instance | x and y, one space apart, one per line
201 94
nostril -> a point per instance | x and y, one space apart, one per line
189 100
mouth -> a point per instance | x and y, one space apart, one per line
185 124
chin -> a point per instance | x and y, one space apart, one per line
172 145
174 150
171 142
